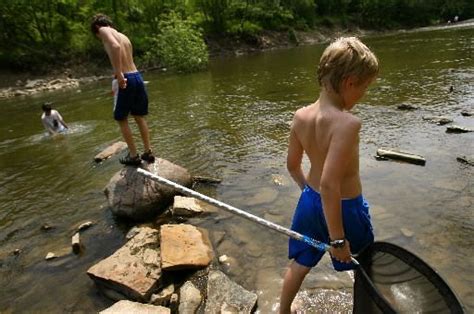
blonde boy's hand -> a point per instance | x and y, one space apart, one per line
342 254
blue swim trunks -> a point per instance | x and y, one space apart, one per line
309 220
133 99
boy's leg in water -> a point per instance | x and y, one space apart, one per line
143 127
128 137
291 284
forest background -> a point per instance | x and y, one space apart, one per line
38 35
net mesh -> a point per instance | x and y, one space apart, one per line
393 280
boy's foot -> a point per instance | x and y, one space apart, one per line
130 161
148 156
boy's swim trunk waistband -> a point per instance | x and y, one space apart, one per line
309 220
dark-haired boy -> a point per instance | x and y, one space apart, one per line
52 121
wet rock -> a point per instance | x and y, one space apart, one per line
224 295
402 156
264 195
131 195
467 113
406 107
278 180
186 206
110 151
46 227
466 160
457 129
85 225
163 297
223 259
133 270
190 298
50 256
407 232
127 307
76 243
184 247
17 252
438 120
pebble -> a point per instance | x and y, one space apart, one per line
407 232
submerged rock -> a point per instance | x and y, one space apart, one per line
406 107
466 160
226 296
438 120
133 271
131 195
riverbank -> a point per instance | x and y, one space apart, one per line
75 74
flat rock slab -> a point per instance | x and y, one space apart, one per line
186 206
133 196
113 149
128 307
226 296
184 247
133 270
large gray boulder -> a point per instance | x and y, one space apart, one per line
132 272
131 195
226 296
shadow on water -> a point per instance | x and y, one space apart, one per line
232 122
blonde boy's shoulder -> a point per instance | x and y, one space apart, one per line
348 123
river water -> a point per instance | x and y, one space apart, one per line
232 122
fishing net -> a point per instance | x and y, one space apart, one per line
392 280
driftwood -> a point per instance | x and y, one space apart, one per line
208 180
457 129
392 154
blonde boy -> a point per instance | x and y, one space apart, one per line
331 208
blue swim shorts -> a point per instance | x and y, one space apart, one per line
133 99
309 220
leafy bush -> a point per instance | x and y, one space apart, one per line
179 45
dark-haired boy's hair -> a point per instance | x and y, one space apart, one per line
100 20
46 106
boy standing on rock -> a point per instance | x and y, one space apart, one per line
331 208
131 97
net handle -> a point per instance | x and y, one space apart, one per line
292 234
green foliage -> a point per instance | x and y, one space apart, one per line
37 33
179 45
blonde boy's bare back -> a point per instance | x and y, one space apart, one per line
126 48
317 128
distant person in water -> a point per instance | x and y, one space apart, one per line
130 97
52 121
331 208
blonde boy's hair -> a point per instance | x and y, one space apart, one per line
344 57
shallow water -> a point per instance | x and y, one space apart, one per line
232 122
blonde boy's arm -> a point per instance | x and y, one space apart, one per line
294 158
343 143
